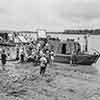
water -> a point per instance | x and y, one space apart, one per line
93 43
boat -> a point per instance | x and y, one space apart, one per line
63 53
85 59
7 44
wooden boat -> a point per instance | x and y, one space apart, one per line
85 59
63 53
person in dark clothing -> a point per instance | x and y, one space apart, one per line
77 48
3 59
8 51
22 55
17 53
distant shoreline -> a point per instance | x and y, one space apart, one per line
67 32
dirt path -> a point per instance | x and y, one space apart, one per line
22 82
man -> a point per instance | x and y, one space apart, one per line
73 58
3 59
22 56
43 65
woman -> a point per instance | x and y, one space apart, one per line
52 57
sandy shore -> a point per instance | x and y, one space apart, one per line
61 82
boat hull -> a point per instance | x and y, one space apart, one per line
85 59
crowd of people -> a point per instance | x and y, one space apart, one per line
39 53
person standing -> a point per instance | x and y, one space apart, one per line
8 52
3 59
17 53
52 57
73 57
22 55
48 56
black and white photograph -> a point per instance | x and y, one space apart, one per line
49 50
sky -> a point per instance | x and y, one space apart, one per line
52 15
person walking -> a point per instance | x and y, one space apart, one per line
43 65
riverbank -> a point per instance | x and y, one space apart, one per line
61 82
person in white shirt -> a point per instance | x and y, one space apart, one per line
41 52
43 65
52 57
